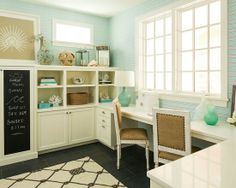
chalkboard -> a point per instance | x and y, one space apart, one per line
16 111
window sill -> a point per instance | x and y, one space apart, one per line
71 44
217 101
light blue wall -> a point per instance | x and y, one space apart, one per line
122 39
101 24
119 32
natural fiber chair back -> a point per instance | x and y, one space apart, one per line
171 134
170 131
119 115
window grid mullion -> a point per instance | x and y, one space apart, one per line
155 54
193 52
208 49
164 54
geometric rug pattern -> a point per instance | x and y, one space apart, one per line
81 173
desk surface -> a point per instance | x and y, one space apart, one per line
218 133
213 167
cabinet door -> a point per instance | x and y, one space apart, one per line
53 130
81 125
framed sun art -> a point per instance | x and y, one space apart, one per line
17 31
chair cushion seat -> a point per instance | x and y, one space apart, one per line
133 134
169 156
172 157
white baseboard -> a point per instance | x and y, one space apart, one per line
18 157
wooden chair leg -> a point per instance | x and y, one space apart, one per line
147 156
118 156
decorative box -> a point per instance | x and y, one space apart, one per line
105 100
43 105
77 98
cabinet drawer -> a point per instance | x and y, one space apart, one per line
104 120
103 112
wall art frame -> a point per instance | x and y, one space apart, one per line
17 32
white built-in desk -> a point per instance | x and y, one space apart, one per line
213 167
218 133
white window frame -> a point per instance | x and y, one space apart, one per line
72 44
175 95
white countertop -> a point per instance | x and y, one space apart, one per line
213 167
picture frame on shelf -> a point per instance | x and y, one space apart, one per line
103 56
17 31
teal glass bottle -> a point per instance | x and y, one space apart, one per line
211 117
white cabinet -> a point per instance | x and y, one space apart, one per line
52 130
81 125
105 127
62 128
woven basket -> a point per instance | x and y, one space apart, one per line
77 98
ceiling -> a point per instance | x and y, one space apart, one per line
105 8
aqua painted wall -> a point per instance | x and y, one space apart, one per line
122 40
101 24
119 33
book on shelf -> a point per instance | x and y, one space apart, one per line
48 81
48 84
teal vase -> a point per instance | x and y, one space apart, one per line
211 117
124 98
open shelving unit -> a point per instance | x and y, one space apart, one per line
96 82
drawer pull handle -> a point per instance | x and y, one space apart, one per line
103 121
103 112
103 126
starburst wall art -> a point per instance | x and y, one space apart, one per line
16 37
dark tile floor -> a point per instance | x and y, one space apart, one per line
132 171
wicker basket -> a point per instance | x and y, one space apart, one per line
77 98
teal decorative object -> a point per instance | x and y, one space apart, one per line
124 98
211 117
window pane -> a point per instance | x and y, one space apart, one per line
150 47
168 25
187 40
187 61
159 45
159 27
159 63
160 81
73 33
168 62
187 19
215 59
201 16
168 81
150 64
187 81
201 38
201 81
215 83
215 12
168 44
201 59
150 80
150 30
215 36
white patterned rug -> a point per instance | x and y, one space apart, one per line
80 173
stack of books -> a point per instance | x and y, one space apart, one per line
48 81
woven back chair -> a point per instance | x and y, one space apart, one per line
171 132
128 135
